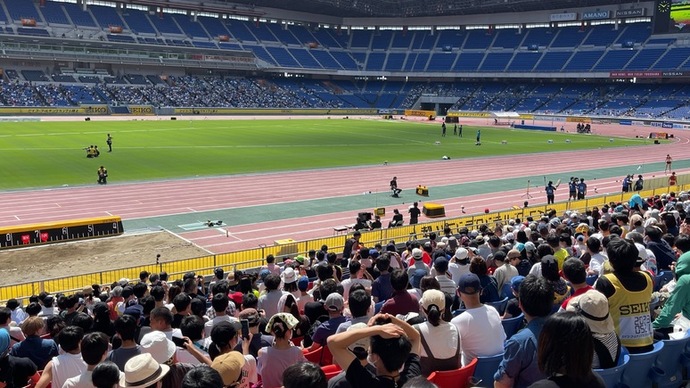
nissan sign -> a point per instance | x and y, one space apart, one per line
630 13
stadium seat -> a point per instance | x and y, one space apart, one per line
641 371
507 291
671 358
321 355
662 278
500 305
331 370
457 378
458 312
378 305
512 325
612 376
485 369
591 279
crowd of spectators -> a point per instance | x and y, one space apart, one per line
382 314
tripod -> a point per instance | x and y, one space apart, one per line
527 194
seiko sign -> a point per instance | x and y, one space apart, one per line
596 15
630 13
563 17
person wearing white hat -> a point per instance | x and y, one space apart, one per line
163 351
417 263
459 264
143 371
440 340
594 307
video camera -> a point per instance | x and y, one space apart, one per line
365 216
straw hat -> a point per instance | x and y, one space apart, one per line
141 371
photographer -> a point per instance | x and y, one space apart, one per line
102 175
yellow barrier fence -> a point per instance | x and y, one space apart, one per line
253 258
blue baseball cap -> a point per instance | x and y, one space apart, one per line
303 283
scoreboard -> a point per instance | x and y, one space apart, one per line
59 231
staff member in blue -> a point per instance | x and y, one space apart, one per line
550 193
581 189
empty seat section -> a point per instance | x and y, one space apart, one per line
420 62
165 24
231 46
508 38
79 17
583 60
331 38
136 79
478 39
542 37
614 60
106 16
303 35
345 60
496 61
190 27
262 32
568 37
120 38
35 75
325 59
450 39
138 21
32 31
395 61
360 39
411 58
304 58
155 80
20 9
441 61
428 40
524 61
204 44
214 26
284 36
282 56
239 31
553 61
53 13
635 33
402 39
602 35
665 41
261 53
645 59
673 58
375 61
63 78
468 61
3 17
360 58
382 40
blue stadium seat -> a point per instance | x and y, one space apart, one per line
402 39
612 376
262 32
568 37
382 40
165 24
78 16
360 39
106 16
645 58
508 38
395 61
524 61
20 9
583 60
283 35
485 370
138 21
641 371
500 305
468 61
478 39
239 31
662 278
375 61
512 325
553 61
305 59
496 61
214 26
614 60
672 358
54 13
441 61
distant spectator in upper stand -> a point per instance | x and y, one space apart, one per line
505 269
440 340
679 300
334 305
16 334
269 301
69 363
566 360
94 350
574 272
549 270
381 288
447 284
519 367
594 307
629 293
417 263
14 371
126 329
402 302
662 251
489 286
38 350
271 265
18 314
480 328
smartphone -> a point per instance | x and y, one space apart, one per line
180 342
245 328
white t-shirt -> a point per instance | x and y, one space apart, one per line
481 333
442 339
447 284
269 302
208 326
81 381
65 366
504 274
596 263
457 270
347 283
249 372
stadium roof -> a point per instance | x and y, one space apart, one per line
416 8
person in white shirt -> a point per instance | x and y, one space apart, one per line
447 284
441 344
192 327
459 264
220 304
68 364
596 262
481 331
358 275
94 350
18 314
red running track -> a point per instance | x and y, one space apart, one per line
142 200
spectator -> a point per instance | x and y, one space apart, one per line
596 261
16 334
144 368
163 351
574 272
417 263
629 293
304 374
662 251
679 300
202 377
480 328
35 348
273 360
334 305
269 301
236 369
513 306
304 298
445 282
219 303
402 302
94 349
358 275
106 375
256 341
506 269
459 264
288 304
549 270
381 288
67 364
14 371
359 307
566 360
18 314
192 327
519 367
440 340
126 329
594 308
489 286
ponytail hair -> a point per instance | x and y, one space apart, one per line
433 315
279 329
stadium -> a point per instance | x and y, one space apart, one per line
235 130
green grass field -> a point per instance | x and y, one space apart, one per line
38 154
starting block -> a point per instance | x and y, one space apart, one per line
504 141
434 210
422 190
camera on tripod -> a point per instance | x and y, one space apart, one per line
365 216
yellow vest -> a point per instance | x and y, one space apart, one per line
630 313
